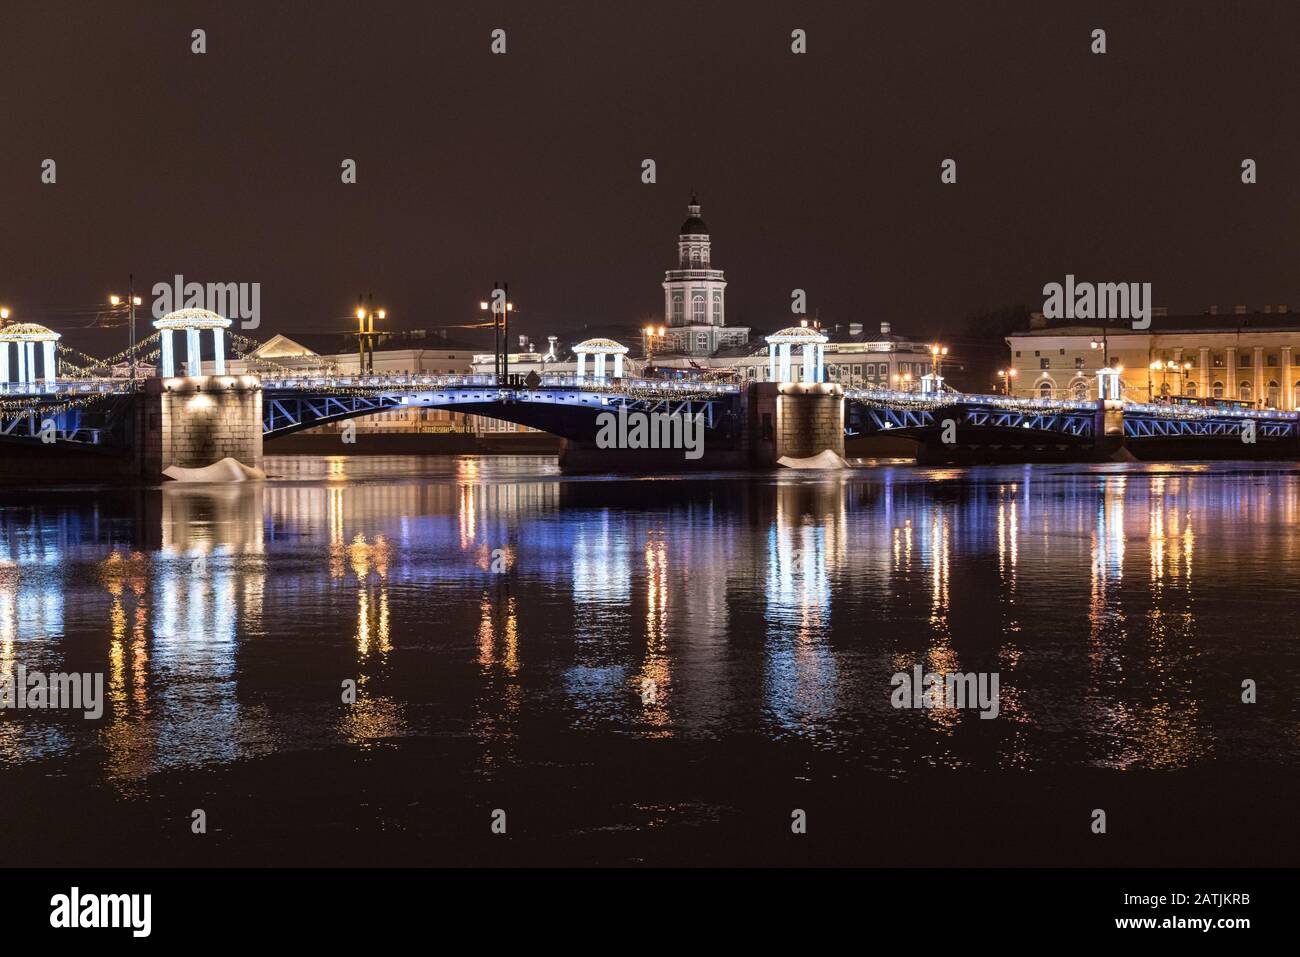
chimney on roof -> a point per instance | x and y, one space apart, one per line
884 329
855 328
1268 309
1214 310
1238 310
1037 321
1162 311
1281 307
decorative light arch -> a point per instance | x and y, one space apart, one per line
599 348
193 322
25 336
779 345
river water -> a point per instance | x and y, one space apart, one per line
669 669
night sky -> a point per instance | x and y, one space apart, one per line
818 171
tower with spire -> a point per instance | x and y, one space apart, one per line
694 294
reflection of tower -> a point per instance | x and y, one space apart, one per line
805 541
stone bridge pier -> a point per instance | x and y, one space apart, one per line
195 421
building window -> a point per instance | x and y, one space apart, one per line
1218 390
1270 361
1274 393
697 310
702 341
857 370
1243 361
1044 363
1078 363
1045 389
1243 390
1191 388
1080 387
677 310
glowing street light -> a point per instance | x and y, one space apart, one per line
500 329
130 301
366 334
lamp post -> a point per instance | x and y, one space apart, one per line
131 301
1006 375
650 334
903 383
500 330
366 316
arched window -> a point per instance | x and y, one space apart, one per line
1191 389
1045 389
697 311
1274 393
1080 387
1243 390
1218 390
1164 390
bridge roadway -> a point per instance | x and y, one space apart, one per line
92 411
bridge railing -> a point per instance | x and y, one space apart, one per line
891 396
416 382
66 387
1171 411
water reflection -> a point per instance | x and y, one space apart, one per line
224 619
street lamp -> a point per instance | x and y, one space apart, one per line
1006 375
366 316
130 302
650 334
903 382
500 330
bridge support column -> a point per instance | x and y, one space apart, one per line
4 364
1108 432
193 353
167 353
197 421
795 420
50 368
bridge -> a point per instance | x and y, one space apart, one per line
946 426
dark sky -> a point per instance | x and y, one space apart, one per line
818 171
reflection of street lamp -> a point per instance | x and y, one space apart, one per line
1006 375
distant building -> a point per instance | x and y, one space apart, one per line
1243 355
695 313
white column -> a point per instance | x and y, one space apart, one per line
771 361
582 365
1204 373
22 364
809 362
4 363
49 363
31 363
219 344
821 362
618 365
168 357
785 362
193 354
600 367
